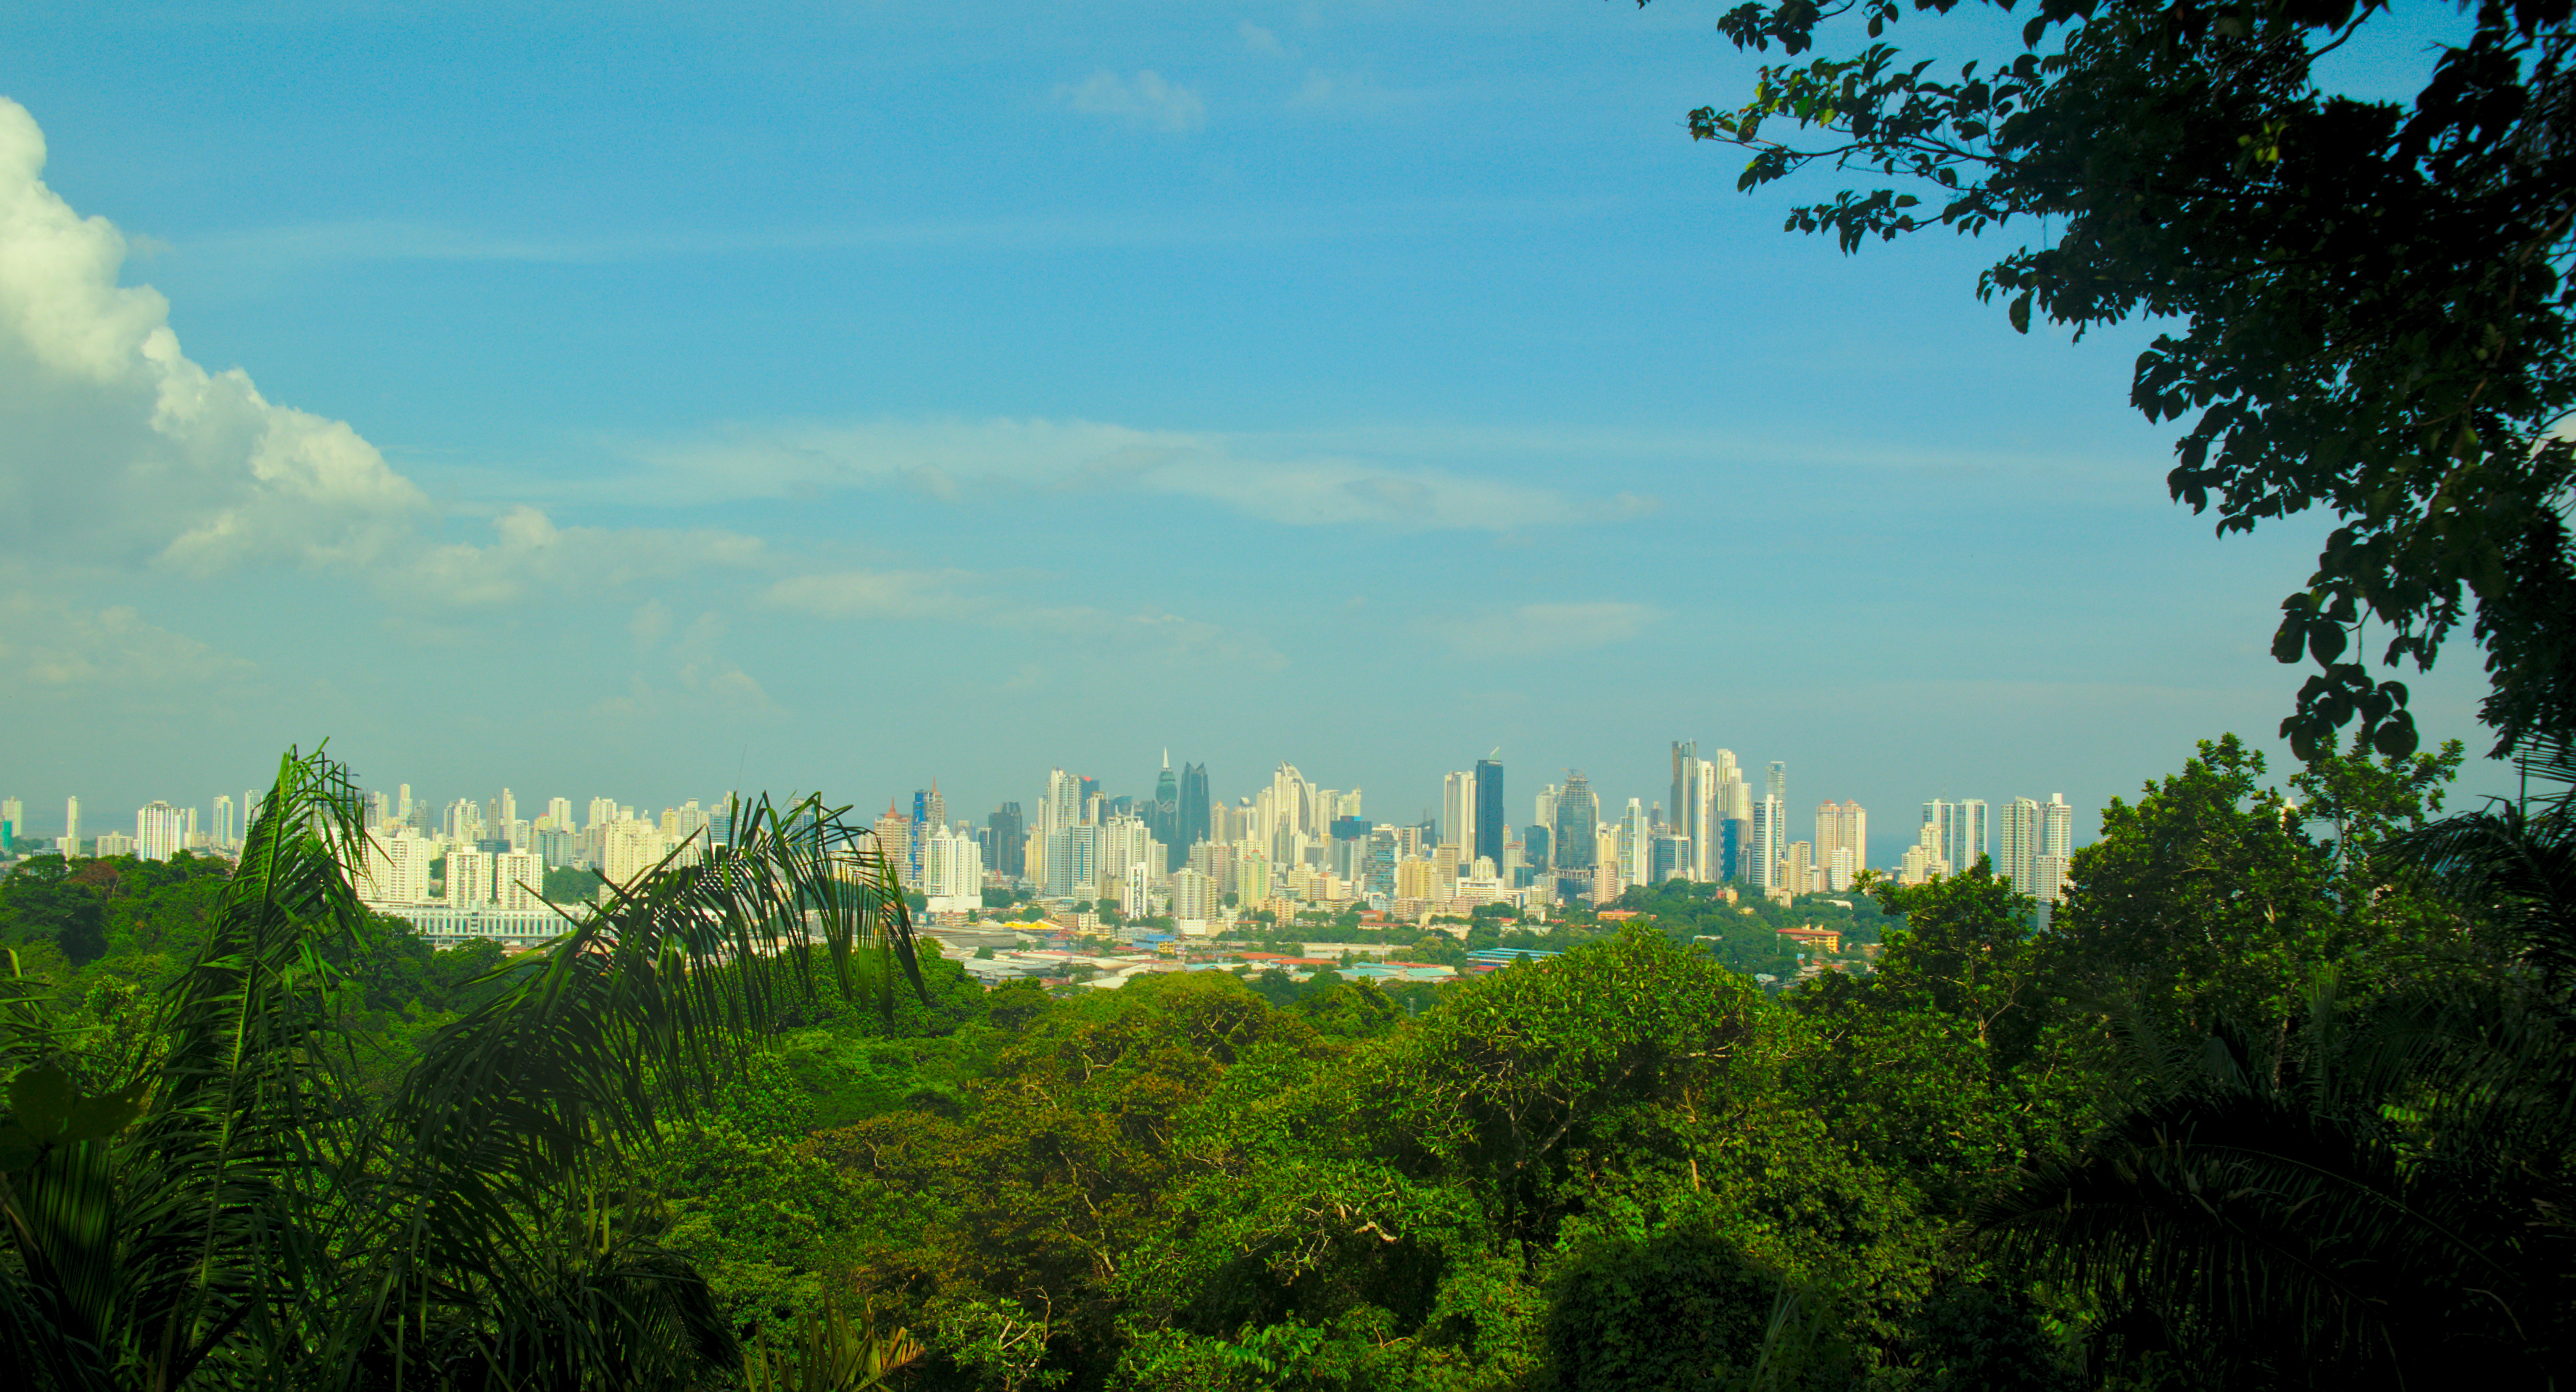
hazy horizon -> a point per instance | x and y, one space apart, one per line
656 404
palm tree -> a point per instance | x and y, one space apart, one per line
235 1215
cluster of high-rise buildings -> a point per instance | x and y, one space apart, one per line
1289 844
160 830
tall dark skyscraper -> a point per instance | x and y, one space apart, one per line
1491 824
1164 818
1194 807
1578 826
1010 840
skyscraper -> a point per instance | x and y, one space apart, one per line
160 831
894 840
1697 805
13 822
1842 842
469 877
1959 832
1685 777
2017 845
1635 844
1194 805
1458 810
1772 831
518 881
2056 849
1578 822
1769 844
1492 828
71 826
917 844
1165 818
1009 841
1063 805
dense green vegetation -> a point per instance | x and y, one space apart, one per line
2270 1103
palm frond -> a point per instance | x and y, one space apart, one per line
627 1020
189 1238
2512 863
2252 1215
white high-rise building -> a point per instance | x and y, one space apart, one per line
71 826
1126 840
1545 810
469 877
2056 850
1770 843
559 812
1195 899
1634 842
1135 891
952 871
2056 827
1841 826
602 812
160 831
518 881
397 868
402 803
1960 833
1458 810
628 848
2017 845
227 827
1290 816
1922 861
1705 809
1062 805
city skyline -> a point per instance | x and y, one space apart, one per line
1060 802
986 453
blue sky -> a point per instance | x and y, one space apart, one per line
646 400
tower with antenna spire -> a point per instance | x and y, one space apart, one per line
1165 817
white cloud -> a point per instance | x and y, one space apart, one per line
529 556
114 446
1143 100
861 594
1259 40
1539 630
53 648
1285 481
